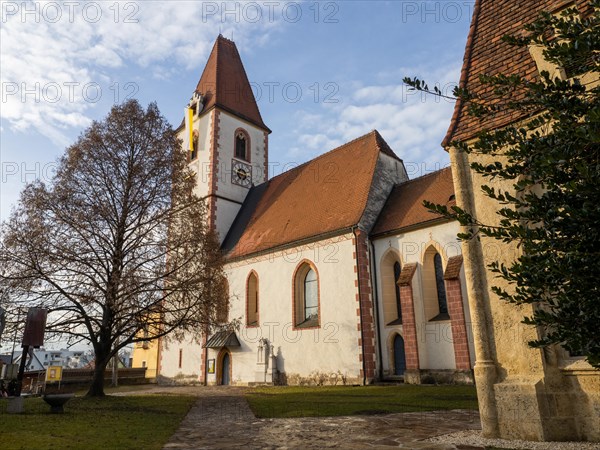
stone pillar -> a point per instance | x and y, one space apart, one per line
409 324
457 313
485 369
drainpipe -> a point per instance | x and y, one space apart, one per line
376 300
362 331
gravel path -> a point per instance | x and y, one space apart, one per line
474 438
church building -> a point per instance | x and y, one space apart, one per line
337 273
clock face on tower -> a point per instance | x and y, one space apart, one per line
241 173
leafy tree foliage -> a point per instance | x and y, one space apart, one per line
116 244
552 160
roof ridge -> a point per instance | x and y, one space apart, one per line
383 146
206 65
430 174
224 79
232 43
322 155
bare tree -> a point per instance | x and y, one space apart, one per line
116 243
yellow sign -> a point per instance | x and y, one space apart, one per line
54 373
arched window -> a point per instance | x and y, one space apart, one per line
390 274
252 300
242 145
306 296
434 290
439 283
311 296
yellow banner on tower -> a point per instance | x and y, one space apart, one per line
189 132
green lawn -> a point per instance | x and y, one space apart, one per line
344 400
136 422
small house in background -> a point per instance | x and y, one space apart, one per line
40 359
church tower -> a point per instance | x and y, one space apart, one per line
225 135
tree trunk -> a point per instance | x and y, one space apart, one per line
115 371
97 385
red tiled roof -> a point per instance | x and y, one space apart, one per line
324 195
486 53
224 83
404 207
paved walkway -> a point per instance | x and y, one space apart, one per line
221 419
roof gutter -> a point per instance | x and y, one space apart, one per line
308 240
416 226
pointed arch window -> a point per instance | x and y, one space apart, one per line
439 284
252 300
434 287
390 275
242 145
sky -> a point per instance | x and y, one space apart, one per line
323 73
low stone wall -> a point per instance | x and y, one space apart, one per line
428 376
75 378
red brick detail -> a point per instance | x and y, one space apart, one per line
202 360
366 335
214 170
453 267
459 327
409 327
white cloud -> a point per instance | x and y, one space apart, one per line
42 52
413 124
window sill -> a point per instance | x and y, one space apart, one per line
440 317
311 323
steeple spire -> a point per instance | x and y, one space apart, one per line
224 84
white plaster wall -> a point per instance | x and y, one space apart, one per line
201 165
191 359
227 126
227 210
332 347
226 213
435 346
